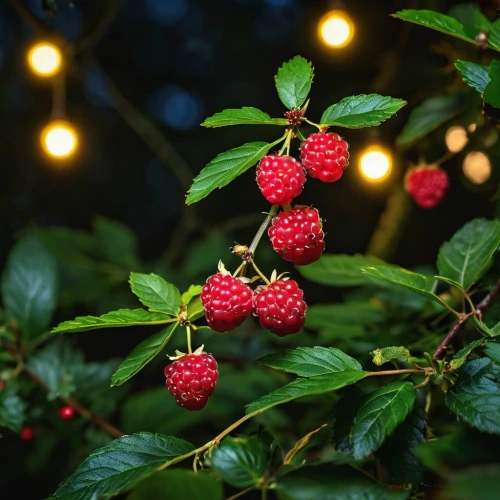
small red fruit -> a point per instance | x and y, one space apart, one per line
66 412
280 307
297 236
280 178
227 302
192 379
325 156
427 185
27 434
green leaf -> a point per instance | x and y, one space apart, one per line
195 309
460 357
381 412
386 354
466 256
361 111
305 387
293 82
309 362
179 484
29 285
494 36
492 90
474 483
155 293
345 412
339 270
428 116
12 408
142 355
240 462
225 168
243 116
348 313
469 15
475 397
122 317
119 466
192 291
475 75
492 350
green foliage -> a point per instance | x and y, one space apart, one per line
12 408
243 116
492 90
492 350
293 82
349 313
461 356
386 354
474 482
192 292
475 75
155 293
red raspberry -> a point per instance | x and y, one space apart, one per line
27 434
325 156
297 235
427 185
280 178
191 380
66 412
280 307
227 302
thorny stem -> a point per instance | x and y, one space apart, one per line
262 229
188 337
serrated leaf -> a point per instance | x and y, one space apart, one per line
386 354
155 293
305 387
119 466
475 397
345 412
240 462
192 291
492 350
460 357
474 483
29 285
12 408
225 168
379 415
113 319
492 91
293 82
471 18
142 355
485 329
309 362
466 256
494 35
339 270
475 75
243 116
348 313
361 111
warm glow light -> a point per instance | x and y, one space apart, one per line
375 163
336 29
477 167
45 59
59 139
456 139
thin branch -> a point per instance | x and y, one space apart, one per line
241 493
398 372
262 229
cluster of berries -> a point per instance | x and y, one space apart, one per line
65 412
427 185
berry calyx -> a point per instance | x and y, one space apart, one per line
280 307
297 235
227 302
191 379
280 178
66 412
27 434
427 185
325 155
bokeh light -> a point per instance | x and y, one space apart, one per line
456 139
336 29
476 167
59 139
375 163
45 59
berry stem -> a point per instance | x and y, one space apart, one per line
299 134
286 144
259 272
262 229
317 125
188 337
241 268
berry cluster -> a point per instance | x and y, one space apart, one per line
427 185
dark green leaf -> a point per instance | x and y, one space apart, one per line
192 291
119 466
381 412
494 35
309 362
492 90
361 111
475 75
466 256
12 408
345 412
142 355
492 350
195 309
243 116
461 356
155 293
474 483
348 313
469 15
293 82
386 354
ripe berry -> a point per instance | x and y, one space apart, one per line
27 434
280 178
227 302
280 307
325 156
427 185
191 380
297 236
66 412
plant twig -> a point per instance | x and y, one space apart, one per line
398 372
262 229
241 493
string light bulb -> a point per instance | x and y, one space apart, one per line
476 167
456 139
375 163
59 139
45 59
336 29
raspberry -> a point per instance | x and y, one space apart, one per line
191 380
66 412
297 236
280 178
427 185
27 434
227 302
325 156
280 307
